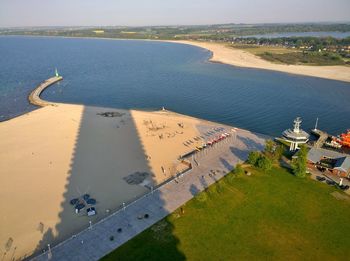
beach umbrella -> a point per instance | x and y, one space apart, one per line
74 201
80 206
86 197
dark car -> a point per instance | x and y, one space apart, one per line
330 182
319 178
344 187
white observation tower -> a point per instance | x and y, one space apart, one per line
296 135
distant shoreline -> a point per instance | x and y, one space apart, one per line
236 57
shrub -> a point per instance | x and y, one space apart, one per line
202 197
253 157
264 163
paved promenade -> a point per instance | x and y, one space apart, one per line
94 242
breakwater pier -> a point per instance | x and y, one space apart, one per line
34 96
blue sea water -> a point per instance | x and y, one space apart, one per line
148 75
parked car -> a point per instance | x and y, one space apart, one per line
344 187
319 178
330 182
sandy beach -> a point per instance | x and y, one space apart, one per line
237 57
56 153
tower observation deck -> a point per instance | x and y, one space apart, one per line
296 135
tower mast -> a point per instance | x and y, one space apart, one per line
316 124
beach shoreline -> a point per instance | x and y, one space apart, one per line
223 54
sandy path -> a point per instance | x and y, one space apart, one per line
237 57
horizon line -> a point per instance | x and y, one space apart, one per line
172 25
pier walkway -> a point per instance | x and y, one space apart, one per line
94 242
34 97
322 137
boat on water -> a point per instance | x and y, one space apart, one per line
343 139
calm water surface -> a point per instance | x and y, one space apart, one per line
149 75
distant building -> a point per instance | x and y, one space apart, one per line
295 136
328 160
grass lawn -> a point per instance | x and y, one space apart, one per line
269 216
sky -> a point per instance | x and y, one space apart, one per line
14 13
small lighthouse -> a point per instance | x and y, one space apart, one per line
56 73
296 135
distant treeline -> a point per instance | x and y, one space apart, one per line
315 42
222 32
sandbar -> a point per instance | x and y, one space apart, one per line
221 53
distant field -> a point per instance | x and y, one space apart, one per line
266 216
292 56
255 49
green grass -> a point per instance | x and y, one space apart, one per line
268 216
283 55
308 58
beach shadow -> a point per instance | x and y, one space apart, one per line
250 143
227 164
240 154
194 190
107 153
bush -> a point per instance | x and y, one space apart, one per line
264 163
202 197
253 157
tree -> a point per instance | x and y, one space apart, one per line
279 151
299 164
253 157
264 163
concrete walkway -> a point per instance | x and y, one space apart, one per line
94 242
34 96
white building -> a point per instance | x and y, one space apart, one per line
296 135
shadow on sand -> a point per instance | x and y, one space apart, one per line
107 150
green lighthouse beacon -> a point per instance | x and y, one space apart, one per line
56 72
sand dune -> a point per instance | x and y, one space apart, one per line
237 57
